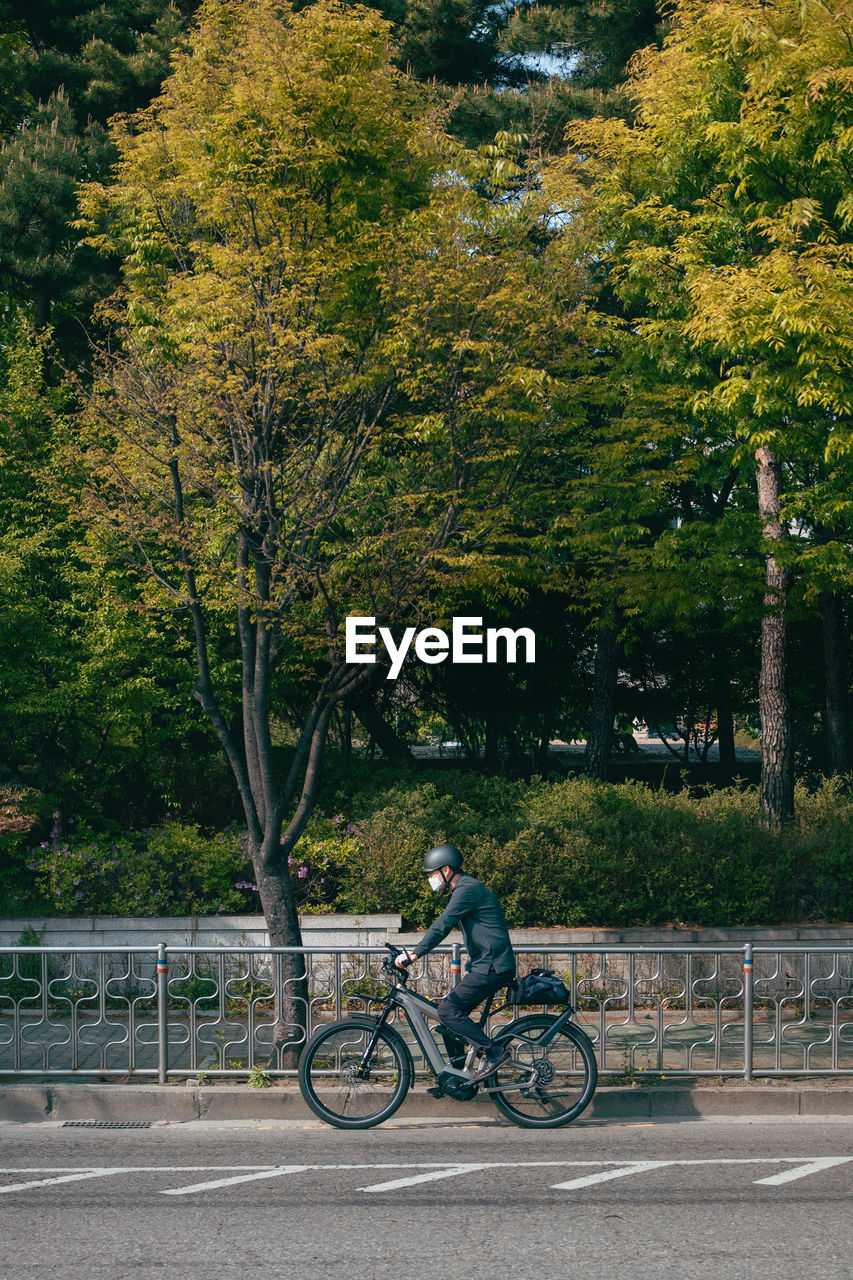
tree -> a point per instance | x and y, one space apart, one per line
66 70
250 388
93 713
276 436
531 67
726 206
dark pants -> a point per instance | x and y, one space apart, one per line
458 1003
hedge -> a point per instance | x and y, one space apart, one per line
578 852
558 853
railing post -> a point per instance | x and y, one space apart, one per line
455 964
747 1011
162 1014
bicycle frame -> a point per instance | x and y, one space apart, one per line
417 1009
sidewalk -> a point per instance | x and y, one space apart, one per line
180 1103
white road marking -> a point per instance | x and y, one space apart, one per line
275 1172
66 1177
427 1177
802 1171
139 1168
640 1166
414 1173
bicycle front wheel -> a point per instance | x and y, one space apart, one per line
344 1090
544 1087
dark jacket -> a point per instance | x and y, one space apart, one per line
477 912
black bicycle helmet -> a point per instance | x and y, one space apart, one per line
443 855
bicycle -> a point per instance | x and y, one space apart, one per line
355 1072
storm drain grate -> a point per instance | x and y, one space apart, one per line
106 1124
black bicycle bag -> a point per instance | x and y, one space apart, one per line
540 986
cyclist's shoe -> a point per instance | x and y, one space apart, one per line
491 1059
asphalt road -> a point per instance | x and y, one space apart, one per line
763 1200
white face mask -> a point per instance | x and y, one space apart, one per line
435 881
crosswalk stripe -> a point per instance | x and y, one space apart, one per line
66 1177
641 1166
802 1171
578 1173
426 1177
231 1182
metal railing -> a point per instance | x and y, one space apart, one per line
169 1012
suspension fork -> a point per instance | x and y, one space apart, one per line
364 1065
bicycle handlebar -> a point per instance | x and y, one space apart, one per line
390 963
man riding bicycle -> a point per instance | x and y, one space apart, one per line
491 963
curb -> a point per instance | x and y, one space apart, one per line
175 1104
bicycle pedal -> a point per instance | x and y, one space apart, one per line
438 1092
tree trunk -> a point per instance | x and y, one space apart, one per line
346 731
725 719
544 744
41 310
380 731
835 683
600 738
777 751
492 741
291 974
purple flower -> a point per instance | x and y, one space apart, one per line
302 872
352 830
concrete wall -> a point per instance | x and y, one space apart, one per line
196 931
373 930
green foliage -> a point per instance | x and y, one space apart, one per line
259 1078
64 74
568 853
722 217
173 869
578 852
319 860
823 866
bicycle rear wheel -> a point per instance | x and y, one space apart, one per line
557 1081
339 1089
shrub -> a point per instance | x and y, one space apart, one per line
319 860
578 852
173 869
566 853
176 869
